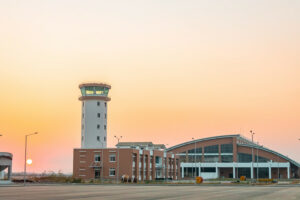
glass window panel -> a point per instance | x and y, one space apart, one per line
211 149
211 158
244 157
227 158
226 148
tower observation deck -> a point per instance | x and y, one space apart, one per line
94 98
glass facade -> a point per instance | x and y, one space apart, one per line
227 158
198 150
211 158
226 148
211 149
261 159
244 157
94 91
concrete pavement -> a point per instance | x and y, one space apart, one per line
92 192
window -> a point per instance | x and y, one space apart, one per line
227 158
198 150
98 103
82 126
98 114
97 158
82 104
98 126
112 171
98 138
112 158
261 159
82 138
244 157
104 127
105 104
211 158
105 115
104 138
208 169
226 148
82 115
211 149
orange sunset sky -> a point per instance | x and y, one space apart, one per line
178 69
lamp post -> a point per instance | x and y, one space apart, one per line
26 155
194 173
118 138
252 134
257 174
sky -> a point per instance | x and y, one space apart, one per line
178 69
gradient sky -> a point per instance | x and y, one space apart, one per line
178 69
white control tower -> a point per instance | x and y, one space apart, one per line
94 115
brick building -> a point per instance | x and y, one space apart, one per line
232 156
139 161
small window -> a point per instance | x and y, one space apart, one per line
98 126
98 115
104 139
82 138
97 158
82 115
98 138
112 171
112 158
105 104
104 127
82 104
82 126
105 115
98 103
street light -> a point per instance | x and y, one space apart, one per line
118 138
252 134
26 155
194 169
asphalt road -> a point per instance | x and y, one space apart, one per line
91 192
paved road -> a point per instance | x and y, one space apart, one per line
91 192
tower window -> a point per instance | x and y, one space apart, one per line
98 138
82 104
105 115
98 103
82 115
82 126
82 138
104 139
98 126
104 127
98 115
105 104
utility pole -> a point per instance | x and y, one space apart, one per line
252 134
26 155
194 173
118 138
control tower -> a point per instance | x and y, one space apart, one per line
94 114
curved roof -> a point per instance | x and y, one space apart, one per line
201 140
95 84
271 151
6 154
248 144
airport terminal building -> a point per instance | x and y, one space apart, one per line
232 156
227 156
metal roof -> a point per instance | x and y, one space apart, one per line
201 140
271 151
249 144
